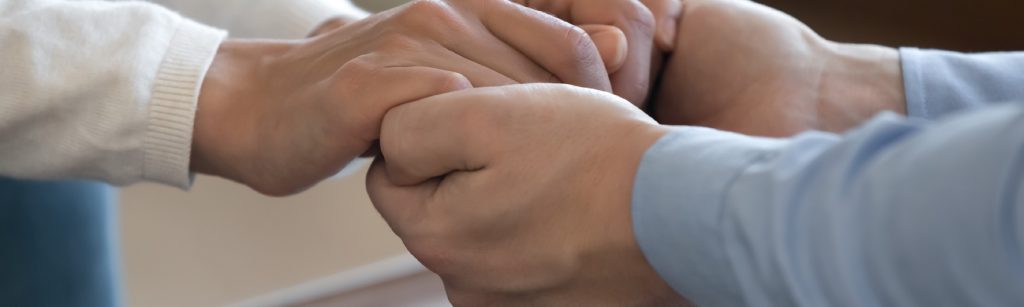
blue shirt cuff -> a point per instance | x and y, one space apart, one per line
677 209
940 83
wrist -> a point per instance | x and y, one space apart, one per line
616 251
857 83
224 121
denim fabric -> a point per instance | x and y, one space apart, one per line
57 244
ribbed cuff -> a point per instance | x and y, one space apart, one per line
168 141
678 203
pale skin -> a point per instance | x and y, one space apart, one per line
496 190
649 27
317 100
521 195
280 116
747 68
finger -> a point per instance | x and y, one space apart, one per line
478 74
403 52
483 47
370 90
632 81
561 48
437 136
611 44
666 16
398 205
466 36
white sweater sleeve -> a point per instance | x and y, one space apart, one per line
282 19
99 90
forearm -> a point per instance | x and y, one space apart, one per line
861 81
894 213
857 83
124 119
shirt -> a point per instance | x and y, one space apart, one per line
919 211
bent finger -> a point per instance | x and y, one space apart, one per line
561 48
397 204
370 90
437 136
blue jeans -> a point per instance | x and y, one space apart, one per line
57 244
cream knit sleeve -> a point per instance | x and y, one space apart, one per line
99 90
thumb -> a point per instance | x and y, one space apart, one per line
611 44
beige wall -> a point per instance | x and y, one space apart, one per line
221 243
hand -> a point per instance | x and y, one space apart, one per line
645 23
520 195
744 67
281 116
609 40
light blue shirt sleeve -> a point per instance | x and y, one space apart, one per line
939 83
896 213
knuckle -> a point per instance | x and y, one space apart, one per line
351 76
359 65
426 11
448 82
426 6
581 50
435 17
434 257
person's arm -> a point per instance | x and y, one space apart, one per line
127 92
99 90
265 18
895 213
939 83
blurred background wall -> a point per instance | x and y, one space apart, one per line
222 243
974 25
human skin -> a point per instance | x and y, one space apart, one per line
280 116
649 27
521 195
744 67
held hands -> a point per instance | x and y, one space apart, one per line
520 195
646 24
281 116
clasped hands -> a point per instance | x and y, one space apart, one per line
508 138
